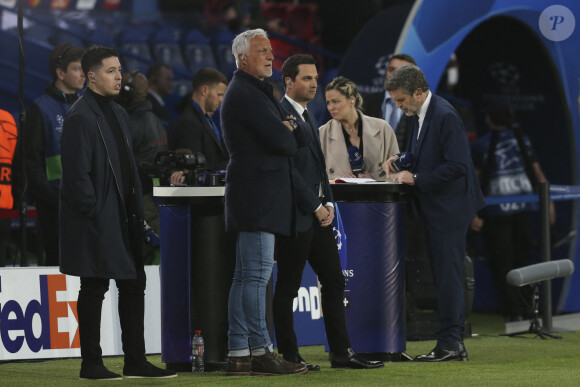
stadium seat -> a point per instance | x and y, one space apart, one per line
302 21
198 52
135 51
222 44
167 49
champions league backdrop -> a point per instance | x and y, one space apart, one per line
474 53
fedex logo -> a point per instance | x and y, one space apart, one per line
37 323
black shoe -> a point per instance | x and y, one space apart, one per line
272 364
239 365
299 360
97 372
352 360
438 355
146 370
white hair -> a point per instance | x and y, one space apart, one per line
241 44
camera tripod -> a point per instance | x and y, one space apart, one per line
535 325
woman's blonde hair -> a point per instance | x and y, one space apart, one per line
347 88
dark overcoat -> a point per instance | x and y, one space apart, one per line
259 187
101 227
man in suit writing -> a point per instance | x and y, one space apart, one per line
315 241
448 198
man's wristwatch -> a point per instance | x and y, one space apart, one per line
414 177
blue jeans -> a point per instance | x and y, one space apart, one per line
247 300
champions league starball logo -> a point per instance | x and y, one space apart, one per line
337 237
504 73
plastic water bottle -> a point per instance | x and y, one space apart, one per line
197 353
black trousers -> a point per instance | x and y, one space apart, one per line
131 315
318 247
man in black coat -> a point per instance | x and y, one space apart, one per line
381 105
315 242
259 200
195 129
101 218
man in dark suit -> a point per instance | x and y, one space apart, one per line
448 196
195 130
315 241
160 78
381 105
259 200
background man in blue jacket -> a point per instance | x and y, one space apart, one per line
448 198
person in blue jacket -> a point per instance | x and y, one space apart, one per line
41 135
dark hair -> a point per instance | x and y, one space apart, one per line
61 56
408 78
290 66
347 88
405 57
208 76
155 70
93 57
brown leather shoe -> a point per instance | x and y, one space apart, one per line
239 366
272 364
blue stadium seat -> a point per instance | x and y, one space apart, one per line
167 49
222 43
198 52
135 51
40 32
100 36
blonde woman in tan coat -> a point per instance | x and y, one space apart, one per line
348 127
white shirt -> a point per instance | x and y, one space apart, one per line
423 111
157 97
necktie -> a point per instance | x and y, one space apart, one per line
415 119
320 156
306 117
214 126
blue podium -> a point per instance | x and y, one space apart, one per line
197 265
373 221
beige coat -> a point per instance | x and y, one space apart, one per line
379 143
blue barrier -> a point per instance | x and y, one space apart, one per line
557 193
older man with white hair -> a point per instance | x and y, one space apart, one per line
259 200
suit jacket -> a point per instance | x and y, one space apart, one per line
259 183
449 193
160 110
192 131
373 106
379 144
309 171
